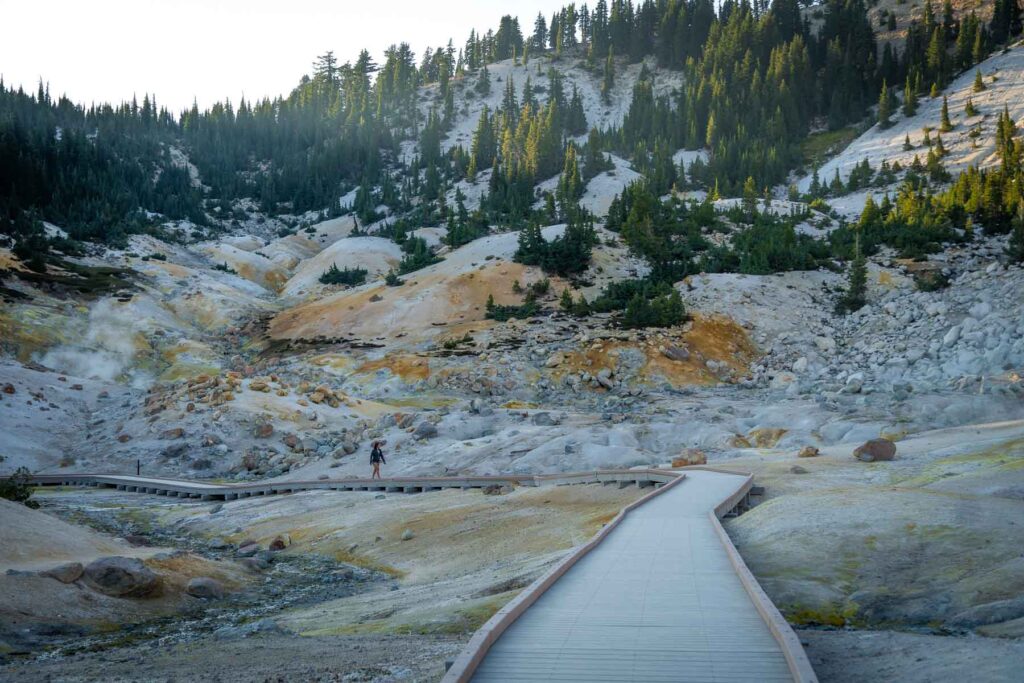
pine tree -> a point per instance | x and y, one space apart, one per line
884 107
969 108
856 290
906 143
909 98
750 197
483 148
566 302
978 52
570 184
945 124
1015 248
815 189
483 82
979 84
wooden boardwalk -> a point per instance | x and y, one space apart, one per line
659 599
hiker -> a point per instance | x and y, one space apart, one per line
376 458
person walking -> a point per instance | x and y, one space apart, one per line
377 458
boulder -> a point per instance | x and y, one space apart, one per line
204 587
808 452
796 469
263 430
280 543
248 550
544 420
9 388
408 535
173 433
677 353
65 573
875 450
425 430
121 577
854 383
690 456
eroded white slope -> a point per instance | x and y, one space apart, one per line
1004 81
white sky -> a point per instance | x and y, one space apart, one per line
106 50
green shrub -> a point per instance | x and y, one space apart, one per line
17 487
501 313
349 276
417 255
661 311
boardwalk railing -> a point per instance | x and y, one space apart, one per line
211 491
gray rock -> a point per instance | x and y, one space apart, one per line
205 587
248 550
676 353
408 535
544 419
425 430
951 337
120 577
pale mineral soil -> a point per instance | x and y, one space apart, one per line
378 658
445 562
468 554
857 656
930 540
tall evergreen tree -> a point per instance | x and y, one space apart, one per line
885 107
945 125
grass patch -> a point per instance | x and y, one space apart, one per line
1005 457
818 147
368 563
807 616
460 622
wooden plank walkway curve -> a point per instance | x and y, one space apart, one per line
661 596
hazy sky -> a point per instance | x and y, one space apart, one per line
106 50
